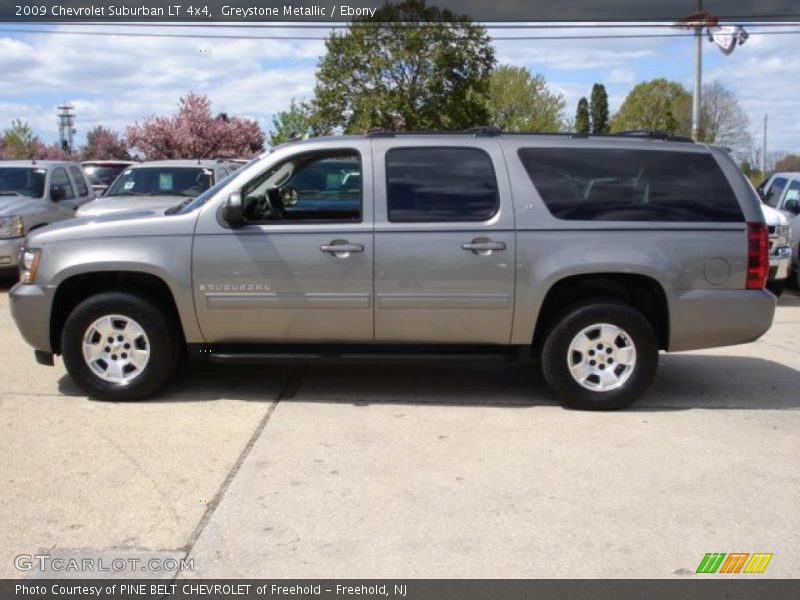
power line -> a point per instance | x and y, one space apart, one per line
323 38
409 25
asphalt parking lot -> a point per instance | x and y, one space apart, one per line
407 470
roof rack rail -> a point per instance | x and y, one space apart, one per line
380 133
484 131
654 134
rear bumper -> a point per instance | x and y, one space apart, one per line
9 254
780 262
712 318
30 308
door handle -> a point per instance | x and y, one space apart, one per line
341 248
483 246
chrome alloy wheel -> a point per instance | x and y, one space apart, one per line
116 349
601 357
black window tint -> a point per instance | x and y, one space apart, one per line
630 185
77 177
773 195
440 184
60 180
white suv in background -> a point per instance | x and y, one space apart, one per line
782 193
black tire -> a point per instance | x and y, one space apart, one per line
776 287
556 370
162 334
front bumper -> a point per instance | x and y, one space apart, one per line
780 262
9 254
30 308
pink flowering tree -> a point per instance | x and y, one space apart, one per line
104 144
194 132
52 152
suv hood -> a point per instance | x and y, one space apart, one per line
19 205
115 204
772 216
134 223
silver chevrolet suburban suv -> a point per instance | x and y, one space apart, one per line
590 253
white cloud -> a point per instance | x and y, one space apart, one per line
621 75
116 80
763 74
574 52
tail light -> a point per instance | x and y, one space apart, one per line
757 256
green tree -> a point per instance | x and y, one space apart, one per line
383 73
655 105
598 108
521 101
582 120
20 141
294 121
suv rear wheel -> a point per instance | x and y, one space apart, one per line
119 346
600 356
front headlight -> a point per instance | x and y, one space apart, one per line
11 227
29 260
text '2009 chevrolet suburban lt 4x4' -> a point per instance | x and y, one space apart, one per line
591 253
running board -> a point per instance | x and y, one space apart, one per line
249 353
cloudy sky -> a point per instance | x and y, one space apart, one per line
115 80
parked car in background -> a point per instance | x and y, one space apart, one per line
780 249
32 194
102 173
157 185
591 254
781 191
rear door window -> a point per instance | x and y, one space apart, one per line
600 184
440 185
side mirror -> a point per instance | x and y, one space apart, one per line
233 212
57 193
792 205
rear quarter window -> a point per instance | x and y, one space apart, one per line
598 184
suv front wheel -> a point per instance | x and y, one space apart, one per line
600 356
119 346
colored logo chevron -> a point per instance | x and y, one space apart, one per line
735 562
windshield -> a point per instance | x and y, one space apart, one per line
22 181
191 204
162 181
104 175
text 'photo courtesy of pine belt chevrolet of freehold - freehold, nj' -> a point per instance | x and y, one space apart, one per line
411 299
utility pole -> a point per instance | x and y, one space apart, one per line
66 126
698 75
764 149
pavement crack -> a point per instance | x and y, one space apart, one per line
290 387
